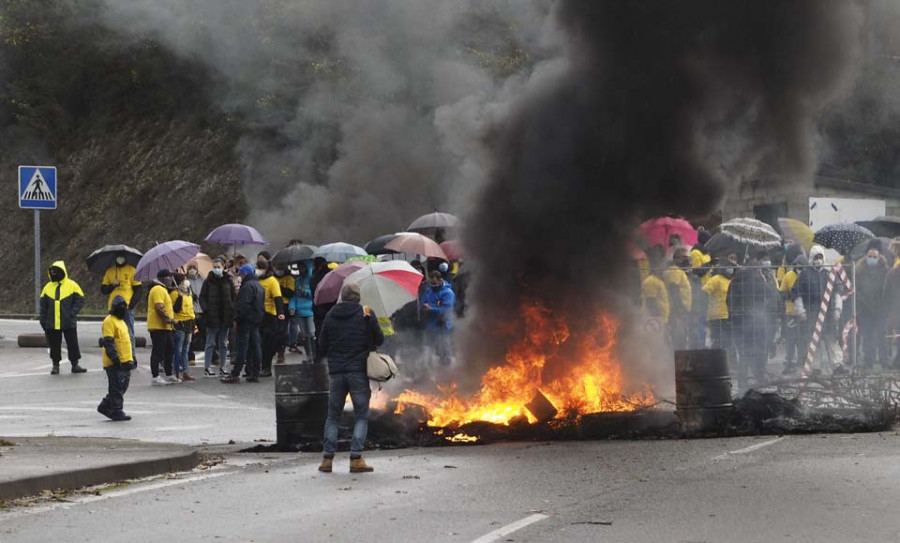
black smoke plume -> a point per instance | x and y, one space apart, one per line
661 104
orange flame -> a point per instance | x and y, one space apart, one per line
593 384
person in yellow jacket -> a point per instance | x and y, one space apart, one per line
61 301
286 284
680 297
717 313
161 324
118 359
273 317
790 331
183 308
655 296
118 280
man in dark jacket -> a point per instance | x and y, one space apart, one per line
348 335
248 315
320 270
807 294
217 301
871 275
61 301
752 304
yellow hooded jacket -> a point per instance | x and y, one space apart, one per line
60 301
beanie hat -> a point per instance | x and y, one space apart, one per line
247 269
264 254
163 273
350 293
443 267
874 243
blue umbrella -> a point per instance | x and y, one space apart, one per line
339 252
170 255
236 234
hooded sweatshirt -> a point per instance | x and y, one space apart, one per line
60 301
347 337
302 301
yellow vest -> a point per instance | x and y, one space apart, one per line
117 329
654 289
273 290
187 306
677 277
787 283
159 295
127 283
717 288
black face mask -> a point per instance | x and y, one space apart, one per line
119 311
57 275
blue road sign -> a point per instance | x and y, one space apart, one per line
37 187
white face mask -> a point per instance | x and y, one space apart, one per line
185 285
260 273
817 263
192 273
120 261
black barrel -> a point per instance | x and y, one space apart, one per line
301 403
703 400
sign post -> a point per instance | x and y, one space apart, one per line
37 191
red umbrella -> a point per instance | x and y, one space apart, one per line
453 249
658 231
329 289
416 244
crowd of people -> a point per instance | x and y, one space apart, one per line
753 302
244 318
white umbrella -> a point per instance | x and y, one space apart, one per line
339 252
386 286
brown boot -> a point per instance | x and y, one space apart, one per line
280 358
358 465
325 466
186 376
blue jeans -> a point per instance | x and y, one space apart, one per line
357 385
129 322
182 346
300 327
216 339
249 351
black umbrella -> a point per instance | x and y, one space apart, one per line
842 237
294 253
105 257
722 244
883 244
376 246
883 227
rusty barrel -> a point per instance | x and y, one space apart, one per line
703 400
301 403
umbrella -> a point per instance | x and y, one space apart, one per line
433 221
338 252
842 237
884 227
658 231
387 286
453 249
204 264
236 234
105 257
294 253
797 232
721 245
417 244
752 233
884 246
329 288
170 255
376 246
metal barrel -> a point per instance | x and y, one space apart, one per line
301 403
703 400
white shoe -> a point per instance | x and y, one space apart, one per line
172 379
159 380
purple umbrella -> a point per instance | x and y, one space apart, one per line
329 289
170 255
236 234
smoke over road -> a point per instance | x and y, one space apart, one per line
660 105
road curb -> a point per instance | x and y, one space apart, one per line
77 478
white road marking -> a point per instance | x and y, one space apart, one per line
749 449
137 488
510 528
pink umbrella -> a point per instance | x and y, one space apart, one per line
453 249
329 289
416 244
658 231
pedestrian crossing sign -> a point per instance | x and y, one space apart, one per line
37 187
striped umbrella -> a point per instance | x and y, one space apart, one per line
387 286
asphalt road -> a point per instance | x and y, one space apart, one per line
797 488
